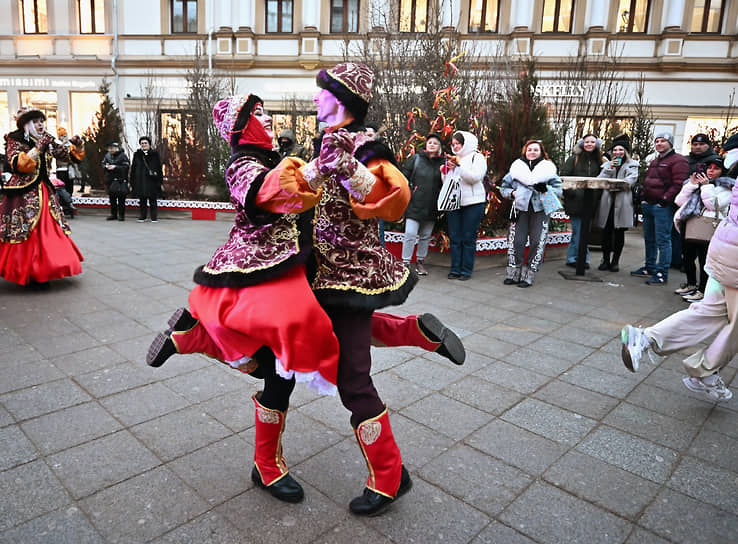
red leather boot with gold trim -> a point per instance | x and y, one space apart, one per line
388 478
424 331
270 470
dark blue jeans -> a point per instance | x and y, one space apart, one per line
657 223
463 225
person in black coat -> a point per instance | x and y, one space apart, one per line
146 178
116 164
423 171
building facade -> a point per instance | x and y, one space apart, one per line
55 53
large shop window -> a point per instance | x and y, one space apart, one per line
34 15
85 106
557 15
633 15
484 15
92 16
46 102
5 121
707 15
279 15
184 16
344 15
413 15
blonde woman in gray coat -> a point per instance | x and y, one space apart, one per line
615 212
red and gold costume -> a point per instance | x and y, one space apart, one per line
34 235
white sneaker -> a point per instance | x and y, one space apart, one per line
635 344
694 297
685 289
716 391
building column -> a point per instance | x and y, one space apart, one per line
223 14
523 15
596 14
673 15
245 15
310 14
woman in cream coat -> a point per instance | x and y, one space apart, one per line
470 166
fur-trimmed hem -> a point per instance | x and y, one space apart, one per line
246 279
352 300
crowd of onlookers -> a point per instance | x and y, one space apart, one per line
675 191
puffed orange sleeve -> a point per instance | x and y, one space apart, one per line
78 154
285 189
389 195
23 163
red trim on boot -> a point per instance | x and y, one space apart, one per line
393 330
381 453
268 443
196 340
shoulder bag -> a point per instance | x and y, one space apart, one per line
449 199
699 229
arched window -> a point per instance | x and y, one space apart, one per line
91 16
557 15
184 16
707 15
633 15
344 15
279 15
34 16
484 15
413 15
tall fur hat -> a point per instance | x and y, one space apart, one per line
621 140
28 113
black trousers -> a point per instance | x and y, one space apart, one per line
63 176
142 201
695 252
117 205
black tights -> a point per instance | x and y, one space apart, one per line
277 390
613 240
695 252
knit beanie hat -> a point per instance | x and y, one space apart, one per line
666 135
351 83
621 140
731 143
701 138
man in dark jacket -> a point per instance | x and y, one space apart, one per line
701 153
116 166
146 178
664 180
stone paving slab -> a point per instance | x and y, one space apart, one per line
542 436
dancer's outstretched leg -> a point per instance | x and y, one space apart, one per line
425 331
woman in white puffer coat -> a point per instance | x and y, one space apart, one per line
470 166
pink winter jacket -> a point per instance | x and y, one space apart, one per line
722 255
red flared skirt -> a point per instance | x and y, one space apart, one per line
47 254
281 314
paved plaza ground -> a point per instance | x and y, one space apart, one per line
542 436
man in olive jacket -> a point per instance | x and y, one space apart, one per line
664 180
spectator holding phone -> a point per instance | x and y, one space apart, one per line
615 212
146 178
702 194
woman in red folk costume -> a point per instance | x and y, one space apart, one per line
35 246
237 310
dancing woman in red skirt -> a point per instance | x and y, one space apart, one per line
35 246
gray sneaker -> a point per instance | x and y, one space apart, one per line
717 391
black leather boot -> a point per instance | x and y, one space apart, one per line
371 503
285 489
